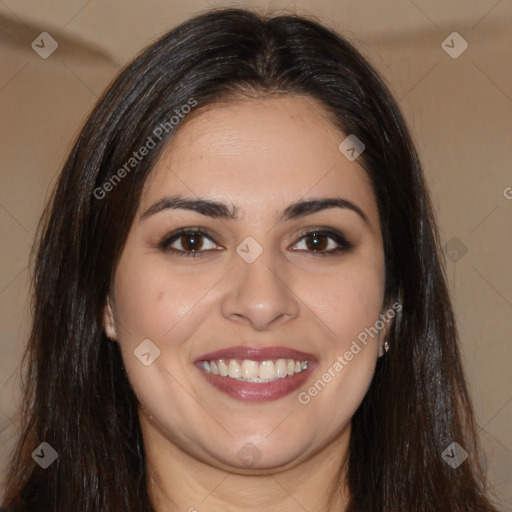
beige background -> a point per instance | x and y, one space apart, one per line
460 111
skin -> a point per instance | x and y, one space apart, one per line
259 155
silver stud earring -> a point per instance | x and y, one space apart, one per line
386 346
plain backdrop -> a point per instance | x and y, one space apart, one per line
459 108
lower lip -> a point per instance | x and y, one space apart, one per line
258 391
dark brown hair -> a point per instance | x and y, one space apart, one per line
77 396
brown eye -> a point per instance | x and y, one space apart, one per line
192 242
323 242
316 242
188 242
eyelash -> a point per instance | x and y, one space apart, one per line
164 244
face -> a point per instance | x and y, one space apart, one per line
272 284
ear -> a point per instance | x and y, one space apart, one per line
388 316
108 321
383 336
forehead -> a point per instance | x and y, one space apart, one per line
259 152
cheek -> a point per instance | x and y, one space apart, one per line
348 304
349 300
151 300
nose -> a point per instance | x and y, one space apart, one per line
259 293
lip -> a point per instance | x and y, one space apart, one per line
257 391
257 354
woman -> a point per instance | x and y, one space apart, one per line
239 298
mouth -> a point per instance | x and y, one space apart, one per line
256 374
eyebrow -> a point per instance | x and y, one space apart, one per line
220 210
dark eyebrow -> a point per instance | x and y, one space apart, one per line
219 210
310 206
203 206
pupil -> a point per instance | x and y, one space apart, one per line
316 241
192 242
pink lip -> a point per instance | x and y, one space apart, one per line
257 354
254 391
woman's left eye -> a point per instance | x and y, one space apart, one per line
324 242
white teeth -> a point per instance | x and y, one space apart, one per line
250 369
255 371
223 369
281 368
234 369
267 370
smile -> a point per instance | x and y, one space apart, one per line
256 374
254 371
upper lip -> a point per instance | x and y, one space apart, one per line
257 354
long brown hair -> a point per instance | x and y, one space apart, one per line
77 396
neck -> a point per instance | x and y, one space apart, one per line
178 481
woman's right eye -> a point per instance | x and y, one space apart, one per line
187 242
